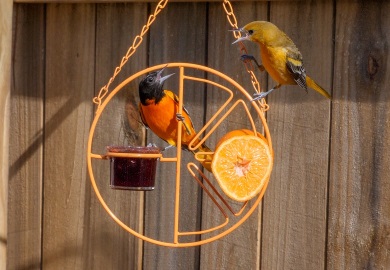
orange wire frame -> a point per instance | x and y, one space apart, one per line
219 116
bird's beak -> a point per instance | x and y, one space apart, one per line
165 77
242 30
162 79
246 37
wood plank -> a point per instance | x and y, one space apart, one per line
117 25
175 39
70 44
5 88
295 205
123 1
359 182
241 248
26 144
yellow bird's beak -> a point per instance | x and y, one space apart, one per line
242 30
241 39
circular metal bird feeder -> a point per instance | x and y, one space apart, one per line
207 185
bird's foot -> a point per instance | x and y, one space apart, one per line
166 148
257 96
247 58
180 117
151 145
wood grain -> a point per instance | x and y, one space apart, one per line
117 1
295 205
327 202
26 142
70 43
241 248
359 181
5 89
117 25
175 39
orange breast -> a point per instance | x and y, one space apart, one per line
161 119
274 61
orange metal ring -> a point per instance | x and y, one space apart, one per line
181 66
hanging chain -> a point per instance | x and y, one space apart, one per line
139 38
136 43
227 6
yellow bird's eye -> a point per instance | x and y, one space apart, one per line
250 32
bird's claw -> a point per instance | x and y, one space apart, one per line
257 96
166 148
180 117
152 145
246 58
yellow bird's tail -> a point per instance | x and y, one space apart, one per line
312 84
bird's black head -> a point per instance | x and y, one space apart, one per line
151 87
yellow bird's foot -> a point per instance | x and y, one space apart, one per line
257 96
247 58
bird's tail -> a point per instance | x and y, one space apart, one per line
312 84
207 158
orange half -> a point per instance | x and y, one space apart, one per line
241 165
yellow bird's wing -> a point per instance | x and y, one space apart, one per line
295 67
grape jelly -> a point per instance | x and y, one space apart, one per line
133 173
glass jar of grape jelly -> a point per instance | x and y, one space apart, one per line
135 172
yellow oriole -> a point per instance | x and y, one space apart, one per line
280 57
159 112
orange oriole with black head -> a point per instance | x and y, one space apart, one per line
281 58
158 109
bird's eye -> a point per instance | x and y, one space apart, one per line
250 32
150 79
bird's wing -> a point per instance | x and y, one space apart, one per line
142 115
295 67
176 99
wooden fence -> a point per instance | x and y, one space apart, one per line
327 204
